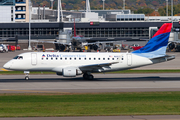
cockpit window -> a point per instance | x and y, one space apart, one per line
18 57
15 57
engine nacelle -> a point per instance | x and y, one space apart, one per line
69 72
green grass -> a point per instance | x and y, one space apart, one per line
145 103
116 72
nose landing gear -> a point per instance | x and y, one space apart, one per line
26 75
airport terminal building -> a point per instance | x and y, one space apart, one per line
96 31
96 25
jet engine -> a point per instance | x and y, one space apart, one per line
70 72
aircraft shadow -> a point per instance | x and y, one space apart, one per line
80 79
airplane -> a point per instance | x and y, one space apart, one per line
71 64
65 39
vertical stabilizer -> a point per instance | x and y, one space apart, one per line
157 44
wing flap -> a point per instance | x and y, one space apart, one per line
96 66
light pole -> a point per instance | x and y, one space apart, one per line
60 18
52 4
172 12
124 5
103 4
88 9
29 47
166 7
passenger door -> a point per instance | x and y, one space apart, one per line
34 58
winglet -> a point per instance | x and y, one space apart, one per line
158 43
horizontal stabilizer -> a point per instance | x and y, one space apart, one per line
162 58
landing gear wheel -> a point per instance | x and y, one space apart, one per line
26 78
90 77
85 76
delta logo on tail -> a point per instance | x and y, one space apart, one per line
158 43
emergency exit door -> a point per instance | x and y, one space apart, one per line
129 59
33 58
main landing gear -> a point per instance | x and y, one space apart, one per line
26 75
88 76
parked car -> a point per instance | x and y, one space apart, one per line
39 47
11 47
135 46
18 47
3 48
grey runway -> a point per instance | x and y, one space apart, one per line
101 83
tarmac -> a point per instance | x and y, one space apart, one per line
144 117
101 84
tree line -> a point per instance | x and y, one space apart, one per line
147 7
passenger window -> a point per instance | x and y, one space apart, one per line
65 58
103 58
84 58
60 58
56 58
74 58
79 58
51 58
42 58
20 57
108 58
70 58
89 58
46 58
122 58
112 58
94 58
99 58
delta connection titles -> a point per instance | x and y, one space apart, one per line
62 55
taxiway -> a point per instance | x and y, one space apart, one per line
101 83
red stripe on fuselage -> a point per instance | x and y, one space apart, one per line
164 29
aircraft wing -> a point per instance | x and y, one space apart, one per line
95 66
92 43
51 42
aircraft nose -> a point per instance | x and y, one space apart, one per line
7 65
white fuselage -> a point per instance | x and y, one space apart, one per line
56 61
